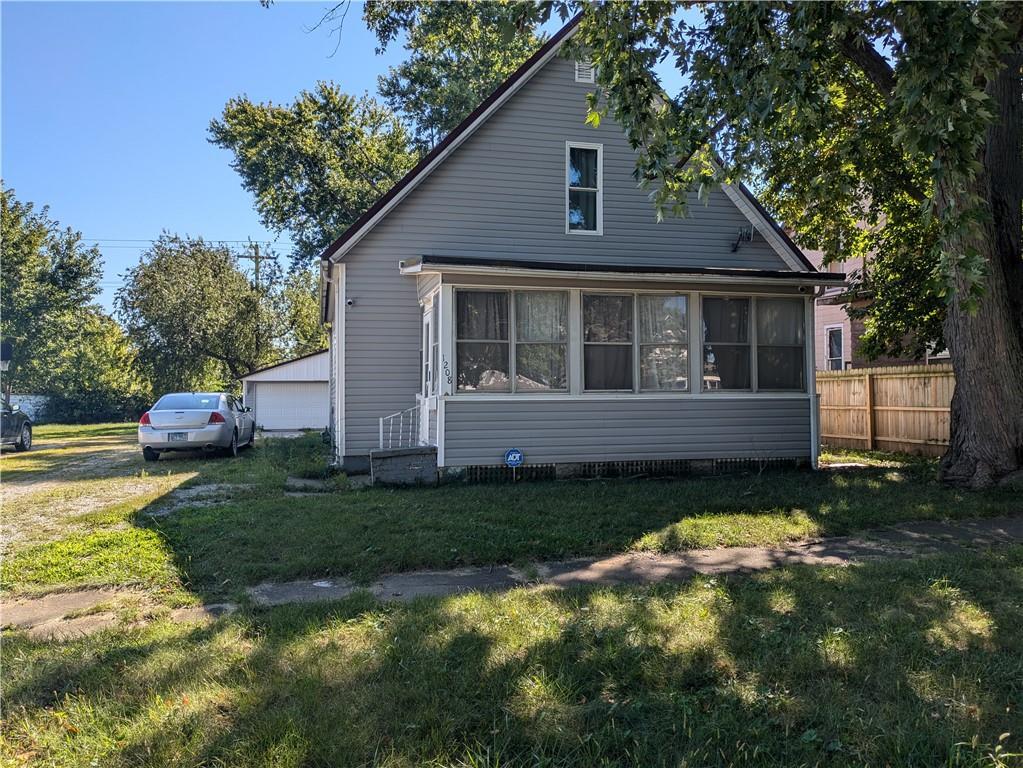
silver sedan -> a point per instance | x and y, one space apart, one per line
195 421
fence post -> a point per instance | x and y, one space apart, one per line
869 391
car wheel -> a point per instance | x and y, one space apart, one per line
232 449
25 441
150 455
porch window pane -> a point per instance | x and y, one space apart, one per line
607 318
663 338
726 366
726 320
482 363
483 315
664 367
726 348
541 341
540 367
483 367
662 319
780 368
780 322
780 337
541 316
608 366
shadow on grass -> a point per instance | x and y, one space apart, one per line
363 534
879 664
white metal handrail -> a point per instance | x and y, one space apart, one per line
400 430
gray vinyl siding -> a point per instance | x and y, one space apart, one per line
502 194
578 430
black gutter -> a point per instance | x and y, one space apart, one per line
548 266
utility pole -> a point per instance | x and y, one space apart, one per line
256 257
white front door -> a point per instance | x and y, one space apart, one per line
427 398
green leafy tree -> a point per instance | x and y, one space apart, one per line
316 165
48 272
457 55
195 316
300 301
88 369
906 116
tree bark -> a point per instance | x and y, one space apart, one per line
986 345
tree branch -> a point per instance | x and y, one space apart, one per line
860 52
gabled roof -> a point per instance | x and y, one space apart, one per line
284 362
740 195
457 135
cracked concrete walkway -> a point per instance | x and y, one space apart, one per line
900 541
64 615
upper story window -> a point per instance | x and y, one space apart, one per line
584 179
584 72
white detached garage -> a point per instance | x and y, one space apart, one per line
290 395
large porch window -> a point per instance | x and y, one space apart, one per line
731 344
589 342
490 324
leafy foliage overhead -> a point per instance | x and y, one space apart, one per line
458 54
314 166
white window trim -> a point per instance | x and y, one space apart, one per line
569 145
827 357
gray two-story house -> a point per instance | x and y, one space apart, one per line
515 291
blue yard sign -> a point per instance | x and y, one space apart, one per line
513 457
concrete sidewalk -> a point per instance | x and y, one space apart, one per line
901 541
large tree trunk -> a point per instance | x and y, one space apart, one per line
986 345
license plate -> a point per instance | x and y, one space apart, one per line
177 437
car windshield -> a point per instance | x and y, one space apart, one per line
187 401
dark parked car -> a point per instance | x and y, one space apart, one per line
15 427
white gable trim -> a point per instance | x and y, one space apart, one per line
764 227
454 145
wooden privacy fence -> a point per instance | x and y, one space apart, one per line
899 408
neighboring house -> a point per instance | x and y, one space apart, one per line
837 336
290 395
515 291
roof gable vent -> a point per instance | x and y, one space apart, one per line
584 71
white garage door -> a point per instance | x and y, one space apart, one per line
290 404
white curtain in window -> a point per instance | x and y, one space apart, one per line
541 335
541 316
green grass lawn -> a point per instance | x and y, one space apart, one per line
256 533
902 664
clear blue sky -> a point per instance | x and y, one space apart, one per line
105 108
